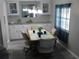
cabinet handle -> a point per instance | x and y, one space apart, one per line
4 20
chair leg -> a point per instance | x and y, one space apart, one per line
55 43
31 51
27 51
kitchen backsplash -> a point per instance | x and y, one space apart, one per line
17 19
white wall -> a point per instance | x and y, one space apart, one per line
74 23
74 27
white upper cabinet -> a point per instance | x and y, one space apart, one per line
14 7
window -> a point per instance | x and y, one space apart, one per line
30 10
63 16
27 10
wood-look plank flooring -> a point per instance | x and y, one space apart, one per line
59 53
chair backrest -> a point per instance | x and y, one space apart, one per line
25 36
33 27
53 31
46 46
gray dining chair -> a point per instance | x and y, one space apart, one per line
46 46
29 45
26 48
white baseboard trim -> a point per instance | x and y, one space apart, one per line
77 57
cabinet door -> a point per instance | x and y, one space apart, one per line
45 7
16 30
12 32
12 8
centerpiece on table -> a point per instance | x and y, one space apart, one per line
39 31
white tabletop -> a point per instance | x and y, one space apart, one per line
34 36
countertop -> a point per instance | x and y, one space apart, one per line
30 23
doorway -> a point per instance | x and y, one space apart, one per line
62 20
